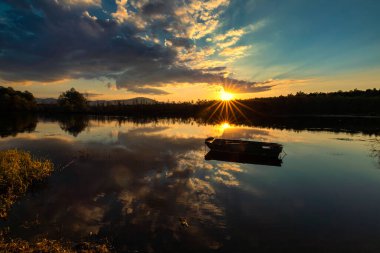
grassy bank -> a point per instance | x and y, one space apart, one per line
18 171
49 246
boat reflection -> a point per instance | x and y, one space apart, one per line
243 158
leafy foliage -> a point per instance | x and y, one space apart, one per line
11 100
72 101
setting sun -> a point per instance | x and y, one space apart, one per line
226 96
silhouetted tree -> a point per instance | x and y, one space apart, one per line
72 101
12 100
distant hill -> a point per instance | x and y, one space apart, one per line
131 101
46 101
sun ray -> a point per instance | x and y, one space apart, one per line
243 105
228 109
240 111
215 110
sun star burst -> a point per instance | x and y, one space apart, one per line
226 96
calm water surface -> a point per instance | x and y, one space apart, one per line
147 187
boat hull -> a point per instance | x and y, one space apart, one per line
262 149
243 158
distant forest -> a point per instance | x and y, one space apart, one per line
355 102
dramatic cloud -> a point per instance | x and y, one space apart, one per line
139 45
234 51
79 2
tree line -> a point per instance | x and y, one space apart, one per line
354 102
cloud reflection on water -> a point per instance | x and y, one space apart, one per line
135 183
137 187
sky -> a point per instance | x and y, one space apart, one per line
182 50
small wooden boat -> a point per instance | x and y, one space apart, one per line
265 149
243 158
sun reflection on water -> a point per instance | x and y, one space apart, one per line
222 127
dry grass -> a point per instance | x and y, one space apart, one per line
18 170
47 246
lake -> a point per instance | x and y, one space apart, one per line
144 186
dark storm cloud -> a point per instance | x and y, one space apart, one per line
160 75
217 69
43 40
152 91
154 8
181 42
